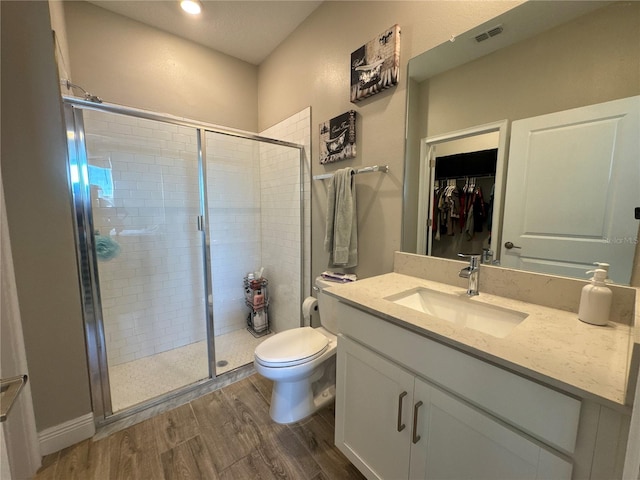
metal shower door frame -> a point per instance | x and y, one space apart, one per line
89 281
85 247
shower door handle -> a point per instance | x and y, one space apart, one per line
200 220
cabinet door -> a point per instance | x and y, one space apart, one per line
459 442
373 411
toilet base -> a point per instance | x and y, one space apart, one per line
292 402
296 400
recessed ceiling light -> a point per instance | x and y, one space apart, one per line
191 6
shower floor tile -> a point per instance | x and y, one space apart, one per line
140 380
236 348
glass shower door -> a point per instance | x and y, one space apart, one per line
234 229
254 212
144 189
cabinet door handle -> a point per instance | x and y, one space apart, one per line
400 424
416 438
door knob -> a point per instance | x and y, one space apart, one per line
510 245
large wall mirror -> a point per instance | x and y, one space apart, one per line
556 85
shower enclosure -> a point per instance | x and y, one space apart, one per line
171 215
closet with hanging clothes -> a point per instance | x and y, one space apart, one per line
462 203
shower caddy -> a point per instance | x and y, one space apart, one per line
256 297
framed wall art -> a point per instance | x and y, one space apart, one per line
375 66
338 138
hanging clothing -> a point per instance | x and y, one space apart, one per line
479 212
469 227
446 210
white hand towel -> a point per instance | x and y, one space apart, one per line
341 240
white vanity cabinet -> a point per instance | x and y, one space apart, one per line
394 425
405 409
462 442
373 421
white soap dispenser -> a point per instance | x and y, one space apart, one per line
595 302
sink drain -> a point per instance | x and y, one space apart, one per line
222 363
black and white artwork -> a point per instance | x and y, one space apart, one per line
376 65
338 138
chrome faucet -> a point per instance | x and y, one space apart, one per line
472 272
487 256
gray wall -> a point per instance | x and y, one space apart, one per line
126 62
34 176
590 60
312 68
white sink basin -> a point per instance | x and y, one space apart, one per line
461 310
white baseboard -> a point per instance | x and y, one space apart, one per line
66 434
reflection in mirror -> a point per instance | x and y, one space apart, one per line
464 187
573 185
459 172
550 57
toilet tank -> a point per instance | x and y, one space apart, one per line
327 305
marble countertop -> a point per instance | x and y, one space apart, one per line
551 346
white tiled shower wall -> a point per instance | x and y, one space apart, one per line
152 292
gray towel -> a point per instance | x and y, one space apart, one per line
341 240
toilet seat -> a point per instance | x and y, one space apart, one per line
291 347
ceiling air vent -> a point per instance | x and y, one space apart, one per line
497 30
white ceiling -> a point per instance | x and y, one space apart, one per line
248 30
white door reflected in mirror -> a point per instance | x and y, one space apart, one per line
573 182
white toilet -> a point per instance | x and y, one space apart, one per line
302 364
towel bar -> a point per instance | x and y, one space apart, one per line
375 168
9 389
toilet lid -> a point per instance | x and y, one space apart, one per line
291 347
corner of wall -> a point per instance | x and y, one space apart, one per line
39 215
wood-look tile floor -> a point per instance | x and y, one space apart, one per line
226 434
